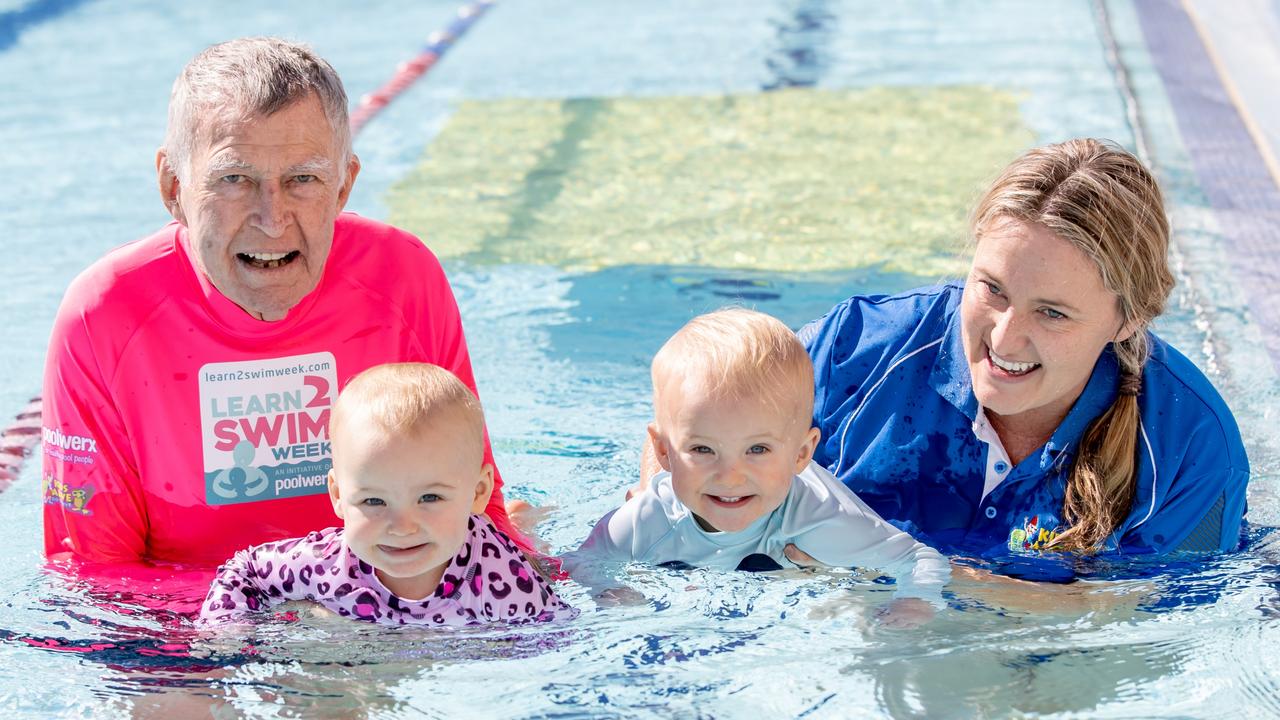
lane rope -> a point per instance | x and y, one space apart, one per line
16 442
21 435
408 72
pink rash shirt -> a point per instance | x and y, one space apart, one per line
487 580
178 428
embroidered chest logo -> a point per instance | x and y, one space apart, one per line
1032 535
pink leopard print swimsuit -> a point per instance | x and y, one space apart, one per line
488 580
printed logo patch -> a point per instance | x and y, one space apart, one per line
1033 534
265 427
75 449
74 499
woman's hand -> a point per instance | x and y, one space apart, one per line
1080 596
906 613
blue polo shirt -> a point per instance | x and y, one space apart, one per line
902 428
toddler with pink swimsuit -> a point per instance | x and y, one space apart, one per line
409 483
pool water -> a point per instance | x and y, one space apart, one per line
592 175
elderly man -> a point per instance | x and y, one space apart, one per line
190 373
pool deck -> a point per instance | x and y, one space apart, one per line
1220 64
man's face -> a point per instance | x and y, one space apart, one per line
259 202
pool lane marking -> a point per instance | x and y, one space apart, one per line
408 72
1142 144
799 61
1259 137
1231 172
543 183
13 22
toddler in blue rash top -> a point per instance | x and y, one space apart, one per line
733 402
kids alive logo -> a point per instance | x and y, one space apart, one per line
265 427
71 498
1033 534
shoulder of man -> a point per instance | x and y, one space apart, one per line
355 236
370 252
818 496
128 276
649 515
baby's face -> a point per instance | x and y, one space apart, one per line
404 498
731 460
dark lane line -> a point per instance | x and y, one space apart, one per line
14 22
804 46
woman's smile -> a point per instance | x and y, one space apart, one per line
1002 368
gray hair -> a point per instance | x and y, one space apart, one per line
255 76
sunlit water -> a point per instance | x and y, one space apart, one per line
561 358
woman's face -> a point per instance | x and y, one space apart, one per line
1034 319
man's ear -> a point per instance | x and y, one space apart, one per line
344 193
484 489
335 496
807 449
170 187
661 450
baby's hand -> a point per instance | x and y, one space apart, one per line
621 597
295 610
905 613
799 557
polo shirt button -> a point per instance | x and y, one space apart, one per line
1001 466
991 512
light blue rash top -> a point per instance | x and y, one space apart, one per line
820 515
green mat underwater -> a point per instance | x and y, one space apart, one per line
795 180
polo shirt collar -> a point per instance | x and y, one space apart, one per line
950 375
1098 395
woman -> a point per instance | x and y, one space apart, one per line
1030 408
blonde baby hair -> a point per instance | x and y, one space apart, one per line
738 353
408 397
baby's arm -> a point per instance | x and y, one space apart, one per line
843 531
236 591
621 536
266 575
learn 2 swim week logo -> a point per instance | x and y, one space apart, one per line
265 427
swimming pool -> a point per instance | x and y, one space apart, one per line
592 176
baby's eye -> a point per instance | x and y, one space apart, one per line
373 502
701 450
757 449
430 498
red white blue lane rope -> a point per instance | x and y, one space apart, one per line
438 43
17 440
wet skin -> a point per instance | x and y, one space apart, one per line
259 202
1035 317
